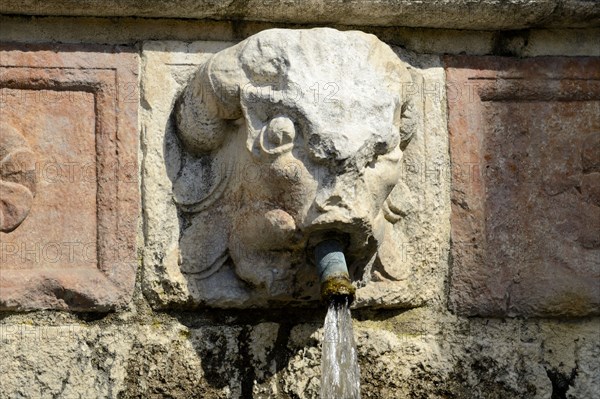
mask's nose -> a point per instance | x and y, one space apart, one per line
338 194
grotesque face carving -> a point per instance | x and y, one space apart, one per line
297 135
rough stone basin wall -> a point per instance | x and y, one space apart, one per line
505 219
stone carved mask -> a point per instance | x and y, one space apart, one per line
292 136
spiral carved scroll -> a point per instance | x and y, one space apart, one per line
17 178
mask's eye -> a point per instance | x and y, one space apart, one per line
278 135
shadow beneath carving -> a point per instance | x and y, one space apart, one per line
240 349
203 317
244 349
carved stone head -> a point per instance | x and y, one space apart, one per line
297 135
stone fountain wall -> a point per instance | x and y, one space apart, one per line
489 283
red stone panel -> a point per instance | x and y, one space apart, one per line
525 153
68 177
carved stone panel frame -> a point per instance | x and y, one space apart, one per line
109 75
524 145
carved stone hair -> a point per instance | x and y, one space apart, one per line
212 98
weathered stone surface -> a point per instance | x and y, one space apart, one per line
68 177
127 30
248 207
417 354
275 353
525 149
456 14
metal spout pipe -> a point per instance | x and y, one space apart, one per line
333 272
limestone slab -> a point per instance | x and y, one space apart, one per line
68 177
454 14
525 151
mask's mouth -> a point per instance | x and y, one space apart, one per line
333 271
353 234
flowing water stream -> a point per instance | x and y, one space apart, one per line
340 378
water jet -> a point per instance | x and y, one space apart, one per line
340 377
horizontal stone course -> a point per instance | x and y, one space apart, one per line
453 14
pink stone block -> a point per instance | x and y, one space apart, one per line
525 151
68 177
